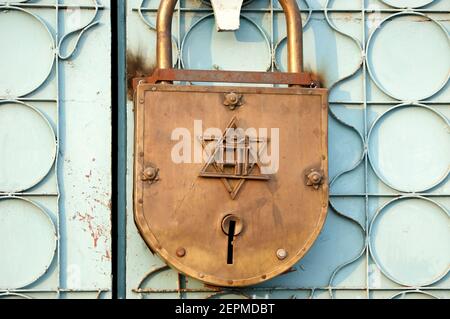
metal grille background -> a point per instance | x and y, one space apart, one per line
55 145
386 63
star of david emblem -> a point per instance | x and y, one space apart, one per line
234 159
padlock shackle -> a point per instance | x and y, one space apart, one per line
293 25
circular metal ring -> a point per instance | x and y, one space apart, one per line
411 292
420 5
53 151
371 70
372 159
372 249
34 86
52 249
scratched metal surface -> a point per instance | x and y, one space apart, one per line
55 149
387 68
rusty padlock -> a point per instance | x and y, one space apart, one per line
225 211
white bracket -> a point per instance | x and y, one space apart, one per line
227 13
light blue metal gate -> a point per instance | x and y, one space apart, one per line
387 65
55 149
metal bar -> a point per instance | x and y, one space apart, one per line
52 290
30 99
315 10
122 153
231 176
390 195
200 290
366 162
303 79
294 35
28 194
50 6
164 34
393 103
59 199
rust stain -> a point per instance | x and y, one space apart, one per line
96 231
107 256
107 204
318 77
137 67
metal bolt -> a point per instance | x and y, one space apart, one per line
233 100
282 254
150 174
181 252
314 178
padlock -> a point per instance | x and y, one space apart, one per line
230 182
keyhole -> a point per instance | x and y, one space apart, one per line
232 226
231 231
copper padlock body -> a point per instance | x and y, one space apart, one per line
182 213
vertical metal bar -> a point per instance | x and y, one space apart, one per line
58 217
121 151
366 164
179 31
272 46
164 34
294 30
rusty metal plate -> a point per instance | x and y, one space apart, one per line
230 183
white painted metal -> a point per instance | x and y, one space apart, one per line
388 141
227 13
55 149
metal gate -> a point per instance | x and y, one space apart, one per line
55 149
387 66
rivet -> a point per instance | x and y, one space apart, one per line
141 101
150 174
140 201
230 282
282 254
201 275
141 154
314 178
181 252
154 88
263 277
